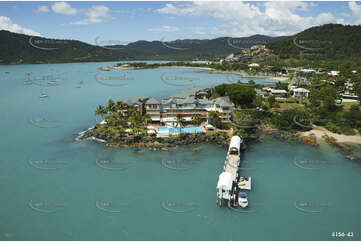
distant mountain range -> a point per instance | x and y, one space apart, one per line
18 48
327 41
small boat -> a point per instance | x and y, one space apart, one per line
243 200
245 183
52 83
78 86
241 183
43 95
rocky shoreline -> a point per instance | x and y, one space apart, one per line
311 139
220 139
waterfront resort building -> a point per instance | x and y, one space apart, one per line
188 103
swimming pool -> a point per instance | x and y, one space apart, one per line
190 129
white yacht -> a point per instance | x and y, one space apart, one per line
43 95
243 200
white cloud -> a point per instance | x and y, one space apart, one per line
164 29
326 18
356 12
245 19
42 9
96 14
63 8
198 30
7 24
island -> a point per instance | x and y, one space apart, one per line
204 114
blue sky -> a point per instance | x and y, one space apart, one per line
123 22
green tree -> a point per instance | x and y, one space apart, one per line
215 120
196 119
258 101
241 94
111 106
271 101
180 120
101 111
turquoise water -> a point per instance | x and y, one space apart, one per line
55 188
189 129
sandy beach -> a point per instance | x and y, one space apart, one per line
340 138
244 74
208 69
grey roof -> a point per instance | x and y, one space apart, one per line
190 92
168 101
135 100
205 101
258 91
188 100
152 100
223 102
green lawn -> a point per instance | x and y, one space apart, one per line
347 105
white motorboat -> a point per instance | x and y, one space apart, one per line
43 95
243 200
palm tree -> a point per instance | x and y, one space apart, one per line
111 105
101 110
147 119
196 118
120 105
180 120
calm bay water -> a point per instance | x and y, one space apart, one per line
55 188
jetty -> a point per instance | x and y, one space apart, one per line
229 184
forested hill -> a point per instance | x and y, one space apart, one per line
18 48
330 41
